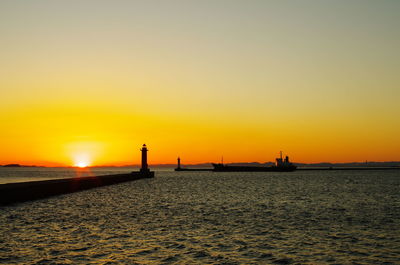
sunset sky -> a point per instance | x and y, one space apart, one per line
91 81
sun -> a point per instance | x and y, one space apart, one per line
82 160
82 164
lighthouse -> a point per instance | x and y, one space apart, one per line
144 170
179 163
145 167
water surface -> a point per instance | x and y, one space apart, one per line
24 174
325 217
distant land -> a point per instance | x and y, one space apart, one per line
12 165
321 164
17 165
353 164
209 165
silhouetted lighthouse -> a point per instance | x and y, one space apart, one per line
179 163
145 167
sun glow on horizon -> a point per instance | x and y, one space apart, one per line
84 154
82 161
82 164
89 91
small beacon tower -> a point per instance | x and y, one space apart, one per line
178 168
145 167
144 170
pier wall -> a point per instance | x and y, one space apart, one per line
27 191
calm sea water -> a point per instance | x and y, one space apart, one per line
326 217
23 174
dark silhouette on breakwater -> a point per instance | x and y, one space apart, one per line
33 190
179 168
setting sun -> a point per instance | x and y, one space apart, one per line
82 160
198 88
82 164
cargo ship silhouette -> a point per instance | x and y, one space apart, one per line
282 165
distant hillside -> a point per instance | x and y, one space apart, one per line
353 164
12 165
16 165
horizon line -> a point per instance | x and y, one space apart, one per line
193 164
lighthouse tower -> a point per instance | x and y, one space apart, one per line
144 170
145 167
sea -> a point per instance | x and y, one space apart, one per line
301 217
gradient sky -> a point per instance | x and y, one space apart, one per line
93 80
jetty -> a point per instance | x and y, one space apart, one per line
33 190
281 165
346 168
179 168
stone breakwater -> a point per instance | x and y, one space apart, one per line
33 190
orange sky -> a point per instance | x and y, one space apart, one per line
91 82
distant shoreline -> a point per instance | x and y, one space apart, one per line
372 164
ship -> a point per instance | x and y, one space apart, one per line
281 165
